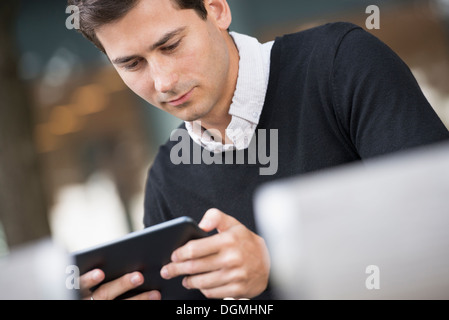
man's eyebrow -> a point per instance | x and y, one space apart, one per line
123 60
167 37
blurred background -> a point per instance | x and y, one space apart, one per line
76 144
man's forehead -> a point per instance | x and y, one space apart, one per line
145 24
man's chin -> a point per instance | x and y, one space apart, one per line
190 119
189 115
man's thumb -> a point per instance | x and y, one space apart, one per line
216 219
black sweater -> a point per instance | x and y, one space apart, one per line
336 94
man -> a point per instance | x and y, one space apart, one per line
316 99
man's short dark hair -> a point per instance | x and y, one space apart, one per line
96 13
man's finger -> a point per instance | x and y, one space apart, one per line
234 290
90 280
150 295
196 249
114 289
216 219
197 266
211 280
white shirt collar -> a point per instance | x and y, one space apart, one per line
249 96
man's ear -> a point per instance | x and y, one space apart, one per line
220 12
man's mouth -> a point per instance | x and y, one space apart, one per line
182 99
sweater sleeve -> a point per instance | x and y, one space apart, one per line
377 99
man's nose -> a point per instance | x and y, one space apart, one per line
165 79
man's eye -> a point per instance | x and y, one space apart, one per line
132 65
171 47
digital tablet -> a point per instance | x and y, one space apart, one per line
146 251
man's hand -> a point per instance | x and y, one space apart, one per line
233 263
113 289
